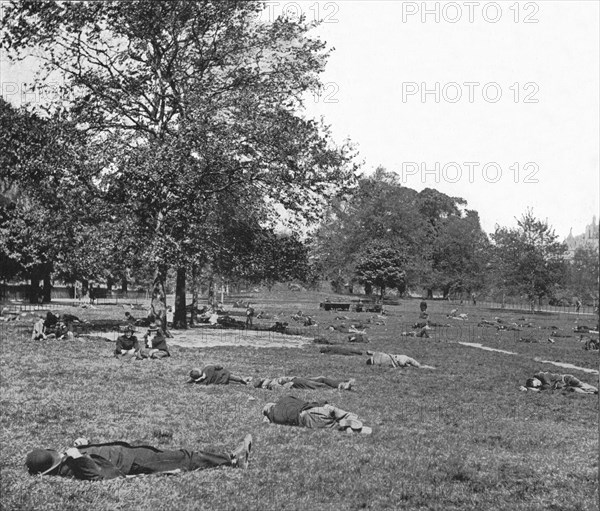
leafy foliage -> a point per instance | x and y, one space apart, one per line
440 247
582 274
382 267
528 260
184 105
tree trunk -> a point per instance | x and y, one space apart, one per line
211 291
158 304
47 291
368 289
34 290
124 285
85 287
179 318
194 295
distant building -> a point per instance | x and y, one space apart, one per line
590 238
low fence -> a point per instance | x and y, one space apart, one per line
18 298
584 310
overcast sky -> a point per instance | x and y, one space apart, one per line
386 51
497 103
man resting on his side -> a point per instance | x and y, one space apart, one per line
385 359
95 462
295 382
555 381
291 411
215 375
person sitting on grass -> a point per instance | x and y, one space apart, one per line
155 343
295 382
215 375
95 462
386 359
555 381
292 411
127 344
39 330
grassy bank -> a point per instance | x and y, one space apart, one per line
460 437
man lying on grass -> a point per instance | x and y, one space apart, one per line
95 462
554 381
340 350
295 382
216 375
385 359
291 411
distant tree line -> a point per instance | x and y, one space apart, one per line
386 236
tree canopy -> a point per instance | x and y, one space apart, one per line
528 260
185 104
440 245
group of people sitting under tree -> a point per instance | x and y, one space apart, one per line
52 326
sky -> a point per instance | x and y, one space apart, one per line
494 102
534 146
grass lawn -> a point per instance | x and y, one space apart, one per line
459 437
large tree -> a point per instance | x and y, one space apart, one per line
460 251
188 99
528 260
582 280
442 246
53 214
383 267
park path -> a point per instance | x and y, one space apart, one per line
559 364
209 338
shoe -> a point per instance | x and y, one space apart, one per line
352 424
365 430
242 452
248 380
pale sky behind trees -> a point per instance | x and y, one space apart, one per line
385 51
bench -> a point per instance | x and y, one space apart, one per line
335 306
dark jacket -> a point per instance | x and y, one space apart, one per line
340 350
287 410
215 375
159 342
125 343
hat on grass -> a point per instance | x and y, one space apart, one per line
42 461
195 375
